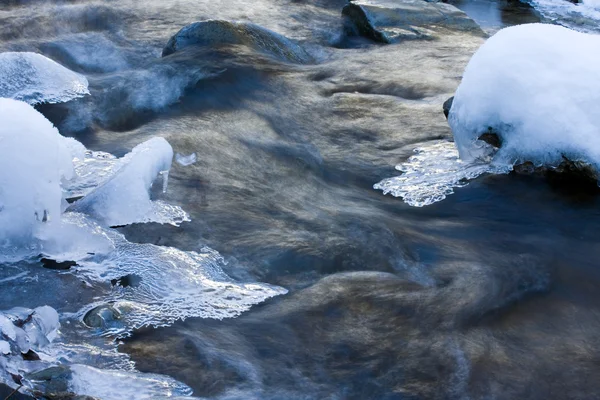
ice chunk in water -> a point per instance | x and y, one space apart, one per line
124 198
184 161
33 78
433 173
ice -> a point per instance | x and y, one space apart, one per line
432 174
92 169
117 385
582 16
33 78
124 198
537 87
34 160
4 347
172 285
36 166
185 161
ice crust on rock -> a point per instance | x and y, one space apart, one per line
583 16
173 285
537 87
34 79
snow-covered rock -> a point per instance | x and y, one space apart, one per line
537 87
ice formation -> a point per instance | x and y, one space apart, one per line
33 78
537 87
36 163
432 174
35 158
122 196
583 15
185 161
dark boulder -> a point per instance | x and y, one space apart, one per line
389 21
218 32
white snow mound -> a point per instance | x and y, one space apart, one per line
34 79
538 87
35 158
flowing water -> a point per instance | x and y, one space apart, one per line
488 294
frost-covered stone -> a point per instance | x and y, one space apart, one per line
34 79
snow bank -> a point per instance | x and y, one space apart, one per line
538 87
33 78
34 159
124 198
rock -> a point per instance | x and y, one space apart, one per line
53 264
218 32
447 106
389 21
101 316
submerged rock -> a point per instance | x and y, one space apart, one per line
101 316
387 21
218 32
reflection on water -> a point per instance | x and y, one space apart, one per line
493 15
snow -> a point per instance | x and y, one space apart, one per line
124 198
538 87
34 159
33 78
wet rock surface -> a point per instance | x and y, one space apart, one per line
213 33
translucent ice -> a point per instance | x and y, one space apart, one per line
184 161
33 78
124 198
432 174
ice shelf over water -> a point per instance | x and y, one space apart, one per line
432 174
34 79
